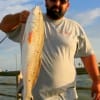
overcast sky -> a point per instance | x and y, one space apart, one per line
86 12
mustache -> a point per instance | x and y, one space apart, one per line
56 7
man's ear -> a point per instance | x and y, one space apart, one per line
45 0
68 5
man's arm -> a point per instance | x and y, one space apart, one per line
12 21
91 67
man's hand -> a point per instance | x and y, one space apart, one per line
12 21
23 16
96 90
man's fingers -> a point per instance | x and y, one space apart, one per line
23 16
95 96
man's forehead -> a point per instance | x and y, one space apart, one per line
62 1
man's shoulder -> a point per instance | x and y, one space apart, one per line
71 21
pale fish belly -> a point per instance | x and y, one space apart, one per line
32 46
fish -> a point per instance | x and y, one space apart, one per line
31 51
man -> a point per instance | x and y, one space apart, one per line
64 40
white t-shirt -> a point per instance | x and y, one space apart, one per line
64 40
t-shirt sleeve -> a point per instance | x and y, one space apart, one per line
17 34
84 47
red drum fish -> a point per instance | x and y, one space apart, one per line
32 45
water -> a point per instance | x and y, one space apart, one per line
82 81
11 90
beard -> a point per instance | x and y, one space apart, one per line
55 12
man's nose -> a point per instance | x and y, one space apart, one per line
57 2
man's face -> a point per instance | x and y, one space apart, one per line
56 8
